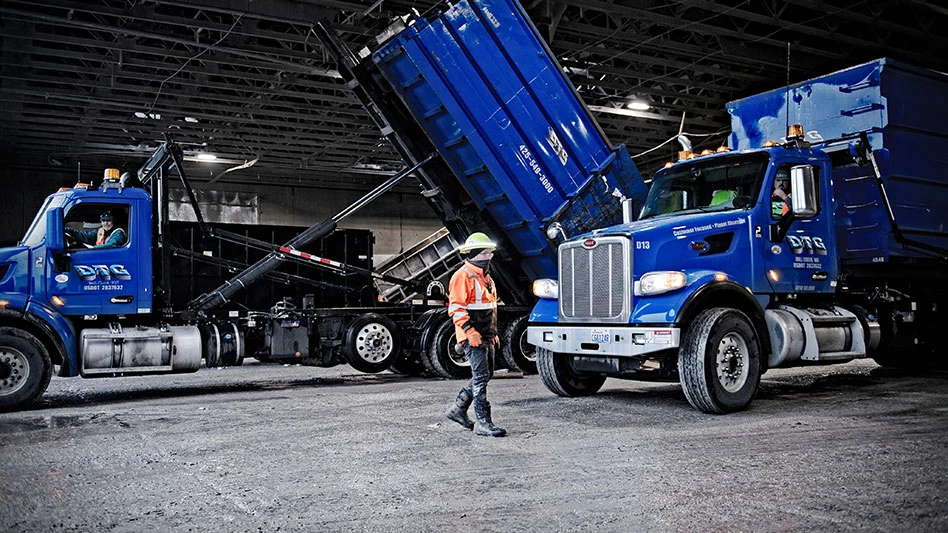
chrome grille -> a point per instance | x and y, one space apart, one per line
594 281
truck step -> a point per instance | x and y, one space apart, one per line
839 356
830 320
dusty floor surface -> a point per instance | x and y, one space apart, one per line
274 448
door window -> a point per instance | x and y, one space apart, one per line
98 226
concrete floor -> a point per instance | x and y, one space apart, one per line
274 448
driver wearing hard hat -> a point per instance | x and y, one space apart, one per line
107 236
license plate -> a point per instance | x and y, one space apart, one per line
599 336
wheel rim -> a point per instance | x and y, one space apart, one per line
732 360
374 343
458 359
14 370
527 349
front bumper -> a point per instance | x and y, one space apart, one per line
622 341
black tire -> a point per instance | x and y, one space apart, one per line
558 375
232 345
372 343
440 354
25 369
519 354
408 363
899 346
719 361
212 345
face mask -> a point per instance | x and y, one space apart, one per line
483 264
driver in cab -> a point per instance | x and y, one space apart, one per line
107 236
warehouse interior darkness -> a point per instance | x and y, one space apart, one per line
473 265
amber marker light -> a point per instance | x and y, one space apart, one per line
58 301
722 149
706 151
720 276
668 164
794 130
773 275
769 144
4 304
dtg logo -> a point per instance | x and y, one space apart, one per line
811 245
104 272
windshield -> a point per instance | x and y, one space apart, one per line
37 230
713 184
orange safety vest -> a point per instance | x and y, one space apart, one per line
100 237
472 297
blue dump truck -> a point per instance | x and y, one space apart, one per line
517 152
484 118
820 236
97 307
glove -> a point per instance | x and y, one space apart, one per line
474 338
495 341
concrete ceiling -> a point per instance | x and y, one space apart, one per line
101 81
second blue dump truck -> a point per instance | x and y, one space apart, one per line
821 242
518 153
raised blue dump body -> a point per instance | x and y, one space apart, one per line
498 108
905 111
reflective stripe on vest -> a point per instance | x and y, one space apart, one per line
478 294
100 236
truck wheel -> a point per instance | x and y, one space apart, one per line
372 342
25 368
442 358
558 375
719 361
231 344
212 345
519 354
408 363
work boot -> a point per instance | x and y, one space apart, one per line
484 426
458 411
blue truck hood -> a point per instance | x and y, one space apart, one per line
689 242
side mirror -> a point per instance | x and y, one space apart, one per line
628 215
803 195
55 239
554 231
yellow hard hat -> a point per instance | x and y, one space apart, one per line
477 241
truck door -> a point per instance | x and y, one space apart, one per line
804 260
101 276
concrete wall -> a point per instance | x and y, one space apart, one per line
397 219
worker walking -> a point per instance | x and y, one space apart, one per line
472 306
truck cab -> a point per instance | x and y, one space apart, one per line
71 297
99 279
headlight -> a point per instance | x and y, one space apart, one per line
659 282
546 288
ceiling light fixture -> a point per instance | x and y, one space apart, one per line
638 105
204 156
630 113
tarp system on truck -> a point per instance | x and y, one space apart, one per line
493 100
905 113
